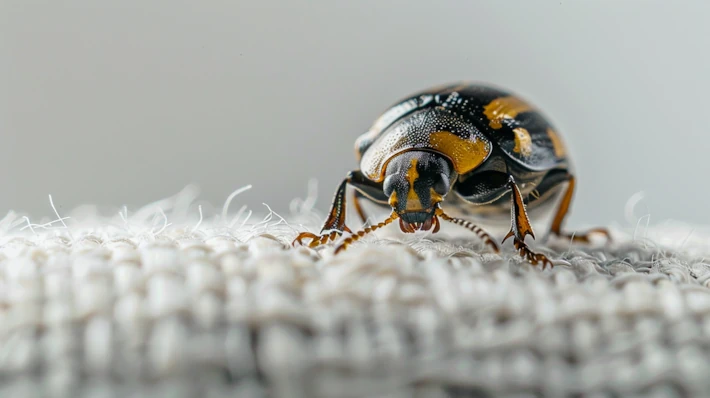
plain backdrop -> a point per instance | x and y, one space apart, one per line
126 102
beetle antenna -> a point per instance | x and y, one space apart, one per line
364 232
471 227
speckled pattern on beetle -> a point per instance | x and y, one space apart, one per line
462 146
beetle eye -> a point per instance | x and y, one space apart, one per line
441 185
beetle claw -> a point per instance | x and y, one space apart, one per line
316 240
532 257
304 235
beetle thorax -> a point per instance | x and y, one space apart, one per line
416 182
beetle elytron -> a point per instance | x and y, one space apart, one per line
468 146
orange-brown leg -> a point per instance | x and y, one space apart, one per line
563 209
358 206
520 227
335 223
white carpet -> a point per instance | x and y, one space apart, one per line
160 302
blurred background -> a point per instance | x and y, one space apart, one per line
127 102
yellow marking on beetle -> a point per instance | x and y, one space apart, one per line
393 199
557 145
413 201
435 197
523 142
466 154
412 173
504 108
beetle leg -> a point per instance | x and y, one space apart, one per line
520 227
334 225
358 207
563 209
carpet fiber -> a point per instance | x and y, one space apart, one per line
173 300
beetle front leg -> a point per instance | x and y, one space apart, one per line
334 225
520 227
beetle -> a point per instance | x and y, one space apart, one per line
474 148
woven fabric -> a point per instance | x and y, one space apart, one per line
163 303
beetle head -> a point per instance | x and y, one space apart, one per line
416 182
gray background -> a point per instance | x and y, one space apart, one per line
127 102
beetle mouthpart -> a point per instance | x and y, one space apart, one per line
406 227
409 228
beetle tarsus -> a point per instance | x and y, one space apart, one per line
532 257
520 227
317 240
